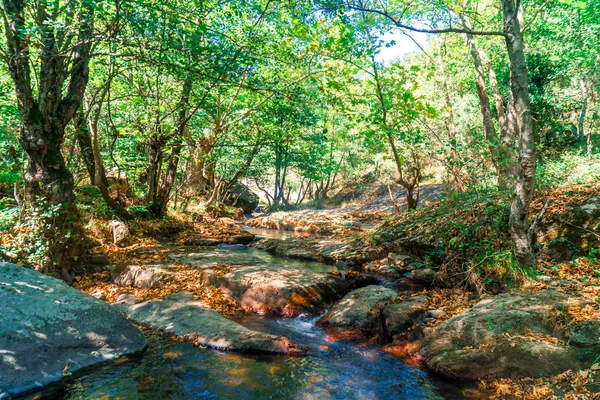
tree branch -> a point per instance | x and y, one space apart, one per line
398 24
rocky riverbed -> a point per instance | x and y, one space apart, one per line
341 289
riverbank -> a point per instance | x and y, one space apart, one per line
430 289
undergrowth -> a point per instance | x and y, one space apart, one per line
466 235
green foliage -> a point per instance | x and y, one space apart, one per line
569 168
292 98
9 215
467 235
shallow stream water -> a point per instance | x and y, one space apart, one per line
171 369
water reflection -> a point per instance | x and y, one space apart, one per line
331 370
175 370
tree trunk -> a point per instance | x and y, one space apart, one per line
159 207
85 145
519 211
454 164
581 119
484 103
155 159
48 183
508 130
411 201
88 133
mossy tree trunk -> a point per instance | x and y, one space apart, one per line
45 113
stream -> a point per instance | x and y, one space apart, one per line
172 369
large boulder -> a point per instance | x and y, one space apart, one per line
425 274
117 180
399 317
242 197
180 314
585 334
290 248
572 232
504 336
330 250
48 329
265 287
241 238
358 315
143 276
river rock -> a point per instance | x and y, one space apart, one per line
316 249
570 233
200 242
241 196
47 326
489 340
143 276
425 275
266 287
357 315
290 247
180 314
401 262
401 316
120 233
242 238
585 334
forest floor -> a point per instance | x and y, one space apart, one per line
471 224
470 228
466 227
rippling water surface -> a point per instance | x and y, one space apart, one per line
176 370
331 370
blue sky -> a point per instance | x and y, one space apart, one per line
404 45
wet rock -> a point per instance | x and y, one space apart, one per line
425 275
47 325
358 280
401 316
527 359
351 252
401 262
585 334
358 315
265 287
242 238
315 249
456 348
143 276
290 247
120 233
382 269
180 314
201 242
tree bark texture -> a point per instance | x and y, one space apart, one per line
519 211
48 183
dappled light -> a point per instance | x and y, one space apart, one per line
303 199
